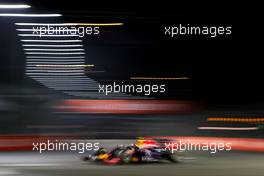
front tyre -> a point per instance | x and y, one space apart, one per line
126 158
174 158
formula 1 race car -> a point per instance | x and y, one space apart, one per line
143 151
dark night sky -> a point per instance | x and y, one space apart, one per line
225 68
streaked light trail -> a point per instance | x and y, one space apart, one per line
229 128
38 35
59 41
158 78
51 61
46 57
227 119
26 45
91 65
54 53
14 6
69 24
28 15
41 49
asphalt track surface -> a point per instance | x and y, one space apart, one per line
195 164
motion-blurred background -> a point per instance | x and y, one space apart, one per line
221 97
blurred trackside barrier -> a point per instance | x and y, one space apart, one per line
238 144
25 143
127 106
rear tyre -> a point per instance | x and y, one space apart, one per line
86 158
